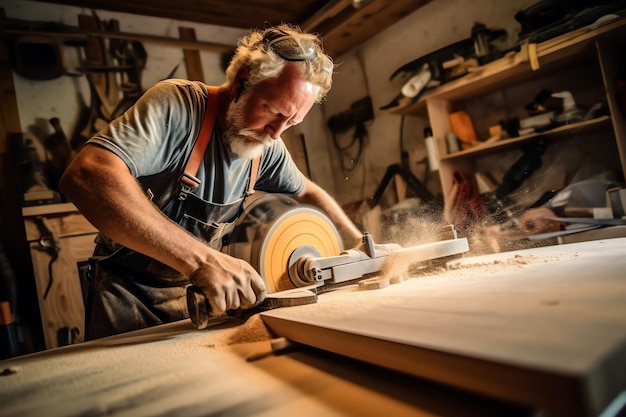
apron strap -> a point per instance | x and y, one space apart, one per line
202 140
189 178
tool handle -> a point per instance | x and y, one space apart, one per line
202 316
199 308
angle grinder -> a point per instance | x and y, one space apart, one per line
273 232
297 251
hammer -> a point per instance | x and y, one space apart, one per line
201 315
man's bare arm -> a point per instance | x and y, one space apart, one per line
99 183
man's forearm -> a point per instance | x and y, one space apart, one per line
99 184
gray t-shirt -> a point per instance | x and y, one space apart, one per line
157 135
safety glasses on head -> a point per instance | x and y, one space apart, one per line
289 47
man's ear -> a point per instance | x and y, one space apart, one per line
243 72
240 81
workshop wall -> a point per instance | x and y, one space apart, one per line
366 71
67 97
362 72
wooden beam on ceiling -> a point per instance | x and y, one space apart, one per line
244 14
341 24
344 28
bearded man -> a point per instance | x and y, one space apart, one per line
161 205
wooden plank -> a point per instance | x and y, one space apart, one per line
159 40
63 307
612 61
126 375
192 56
400 186
105 84
543 327
351 26
9 115
241 14
328 11
70 224
49 209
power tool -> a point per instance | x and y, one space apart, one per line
298 252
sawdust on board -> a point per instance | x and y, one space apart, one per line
253 330
517 260
249 331
496 264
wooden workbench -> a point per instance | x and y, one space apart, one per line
499 335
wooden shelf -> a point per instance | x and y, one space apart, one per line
515 67
49 209
561 132
586 62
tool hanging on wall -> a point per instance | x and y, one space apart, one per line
49 243
360 112
124 59
35 188
36 57
132 56
433 203
58 154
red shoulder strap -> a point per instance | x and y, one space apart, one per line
199 148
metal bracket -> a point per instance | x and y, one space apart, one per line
49 243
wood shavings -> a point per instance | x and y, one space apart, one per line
375 283
421 270
235 331
253 330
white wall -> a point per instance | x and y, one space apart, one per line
363 71
367 68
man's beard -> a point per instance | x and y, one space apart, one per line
236 136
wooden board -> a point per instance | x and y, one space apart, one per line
193 63
105 84
174 370
352 26
62 309
342 25
63 227
9 115
545 327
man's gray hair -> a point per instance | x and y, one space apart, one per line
264 62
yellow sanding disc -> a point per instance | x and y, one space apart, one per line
274 230
299 228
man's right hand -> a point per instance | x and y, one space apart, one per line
229 283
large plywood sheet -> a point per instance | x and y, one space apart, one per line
545 327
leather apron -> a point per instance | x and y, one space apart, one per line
128 290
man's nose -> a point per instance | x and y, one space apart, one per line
275 129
